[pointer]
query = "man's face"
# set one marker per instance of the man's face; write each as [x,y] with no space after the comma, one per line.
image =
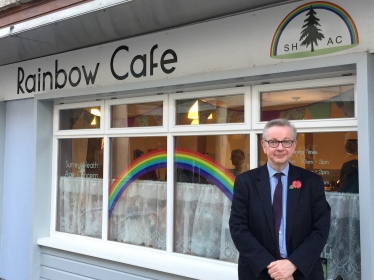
[278,157]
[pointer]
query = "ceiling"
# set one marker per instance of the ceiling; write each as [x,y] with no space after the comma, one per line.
[119,20]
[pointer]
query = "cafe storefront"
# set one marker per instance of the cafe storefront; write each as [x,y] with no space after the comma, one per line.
[135,142]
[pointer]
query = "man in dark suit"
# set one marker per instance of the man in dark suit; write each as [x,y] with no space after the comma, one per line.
[280,218]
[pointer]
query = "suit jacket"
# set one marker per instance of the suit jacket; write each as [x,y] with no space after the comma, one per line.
[252,230]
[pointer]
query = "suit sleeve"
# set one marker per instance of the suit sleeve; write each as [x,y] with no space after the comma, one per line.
[308,252]
[250,249]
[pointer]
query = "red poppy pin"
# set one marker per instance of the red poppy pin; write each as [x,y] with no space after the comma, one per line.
[295,185]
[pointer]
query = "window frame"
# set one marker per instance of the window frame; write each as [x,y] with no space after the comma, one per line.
[66,132]
[168,261]
[246,91]
[136,130]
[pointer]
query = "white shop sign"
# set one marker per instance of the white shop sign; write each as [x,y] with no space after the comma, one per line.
[294,31]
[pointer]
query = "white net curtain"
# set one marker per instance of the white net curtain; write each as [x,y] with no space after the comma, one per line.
[139,217]
[80,206]
[343,250]
[201,220]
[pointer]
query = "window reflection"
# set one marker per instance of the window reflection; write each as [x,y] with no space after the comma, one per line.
[310,103]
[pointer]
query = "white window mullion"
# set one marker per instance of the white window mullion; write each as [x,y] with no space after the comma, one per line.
[248,108]
[106,185]
[54,186]
[170,194]
[253,157]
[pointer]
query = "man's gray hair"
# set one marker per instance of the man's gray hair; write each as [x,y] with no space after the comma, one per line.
[279,122]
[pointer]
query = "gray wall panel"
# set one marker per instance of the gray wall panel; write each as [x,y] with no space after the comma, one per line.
[41,192]
[54,274]
[99,268]
[88,270]
[18,184]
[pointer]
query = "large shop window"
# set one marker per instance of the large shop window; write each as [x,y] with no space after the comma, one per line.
[158,172]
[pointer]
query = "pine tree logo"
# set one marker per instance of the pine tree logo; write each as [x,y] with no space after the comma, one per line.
[311,33]
[299,34]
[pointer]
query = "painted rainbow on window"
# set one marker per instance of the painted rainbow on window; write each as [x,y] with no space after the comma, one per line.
[186,159]
[316,5]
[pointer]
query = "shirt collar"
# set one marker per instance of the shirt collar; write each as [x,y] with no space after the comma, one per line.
[273,171]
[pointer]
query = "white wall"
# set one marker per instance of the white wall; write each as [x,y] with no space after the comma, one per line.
[2,152]
[18,182]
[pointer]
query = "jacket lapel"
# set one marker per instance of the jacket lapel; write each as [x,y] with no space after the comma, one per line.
[263,189]
[292,199]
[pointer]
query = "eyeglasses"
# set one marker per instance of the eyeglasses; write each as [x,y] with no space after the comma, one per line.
[275,143]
